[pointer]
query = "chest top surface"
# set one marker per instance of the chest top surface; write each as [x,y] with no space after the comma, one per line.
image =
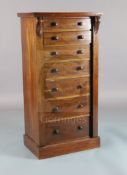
[59,14]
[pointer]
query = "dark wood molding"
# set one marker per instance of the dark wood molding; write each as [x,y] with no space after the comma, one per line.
[59,14]
[97,20]
[39,27]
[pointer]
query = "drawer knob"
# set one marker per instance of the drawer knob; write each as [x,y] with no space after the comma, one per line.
[79,68]
[55,109]
[79,52]
[54,24]
[80,127]
[79,87]
[54,70]
[56,132]
[54,89]
[54,38]
[80,37]
[54,53]
[80,106]
[79,23]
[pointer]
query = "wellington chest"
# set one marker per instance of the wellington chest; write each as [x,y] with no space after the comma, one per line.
[60,82]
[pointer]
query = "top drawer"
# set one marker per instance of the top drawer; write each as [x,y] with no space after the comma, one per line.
[71,24]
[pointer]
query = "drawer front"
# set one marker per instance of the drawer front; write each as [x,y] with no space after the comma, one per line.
[73,24]
[66,130]
[75,68]
[69,38]
[66,108]
[67,87]
[56,53]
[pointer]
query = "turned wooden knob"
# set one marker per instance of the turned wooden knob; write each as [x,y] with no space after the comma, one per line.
[54,53]
[54,89]
[55,109]
[79,52]
[80,23]
[79,68]
[54,38]
[80,106]
[80,37]
[79,87]
[56,132]
[80,127]
[54,70]
[54,24]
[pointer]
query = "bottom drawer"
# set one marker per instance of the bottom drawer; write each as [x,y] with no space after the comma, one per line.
[66,130]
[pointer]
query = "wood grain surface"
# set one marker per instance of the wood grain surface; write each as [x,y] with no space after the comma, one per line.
[60,81]
[67,87]
[67,38]
[59,24]
[66,107]
[60,53]
[75,68]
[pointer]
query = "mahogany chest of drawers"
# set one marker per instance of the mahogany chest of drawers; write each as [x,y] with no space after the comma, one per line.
[60,80]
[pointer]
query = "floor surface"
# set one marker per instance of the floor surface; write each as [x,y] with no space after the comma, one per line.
[109,159]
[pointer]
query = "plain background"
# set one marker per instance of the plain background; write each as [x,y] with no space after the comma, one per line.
[112,157]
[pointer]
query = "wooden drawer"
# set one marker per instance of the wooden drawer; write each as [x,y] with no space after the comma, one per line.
[66,130]
[67,38]
[75,68]
[59,53]
[67,87]
[66,107]
[62,24]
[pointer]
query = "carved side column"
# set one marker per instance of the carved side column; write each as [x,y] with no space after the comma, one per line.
[39,27]
[97,23]
[94,78]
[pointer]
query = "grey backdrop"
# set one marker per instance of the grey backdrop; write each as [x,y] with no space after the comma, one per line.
[113,47]
[111,158]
